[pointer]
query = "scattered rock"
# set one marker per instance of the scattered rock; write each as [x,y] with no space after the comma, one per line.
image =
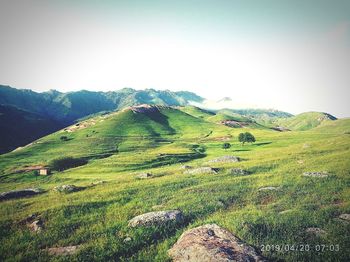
[286,211]
[157,206]
[345,217]
[20,193]
[281,129]
[300,162]
[63,251]
[144,108]
[36,226]
[211,243]
[238,172]
[315,231]
[225,159]
[202,170]
[127,239]
[268,188]
[144,175]
[28,219]
[186,167]
[98,182]
[67,188]
[156,218]
[316,174]
[220,203]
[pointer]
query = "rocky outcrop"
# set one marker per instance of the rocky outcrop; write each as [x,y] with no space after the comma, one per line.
[202,170]
[345,217]
[63,251]
[36,226]
[20,193]
[225,159]
[316,174]
[144,175]
[315,231]
[211,243]
[156,218]
[68,188]
[238,172]
[269,188]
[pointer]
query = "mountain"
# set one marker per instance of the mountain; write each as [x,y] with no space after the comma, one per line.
[141,126]
[38,114]
[67,107]
[19,127]
[305,121]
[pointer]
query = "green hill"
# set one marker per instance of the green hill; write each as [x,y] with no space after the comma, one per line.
[265,198]
[305,121]
[197,112]
[339,126]
[63,109]
[135,127]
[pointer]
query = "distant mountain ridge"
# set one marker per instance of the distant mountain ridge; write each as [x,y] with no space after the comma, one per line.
[67,107]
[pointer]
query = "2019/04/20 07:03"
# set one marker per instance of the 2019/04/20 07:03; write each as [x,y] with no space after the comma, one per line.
[300,247]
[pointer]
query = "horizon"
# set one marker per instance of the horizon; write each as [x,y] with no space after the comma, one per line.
[289,56]
[208,104]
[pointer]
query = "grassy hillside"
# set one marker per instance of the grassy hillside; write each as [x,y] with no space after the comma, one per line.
[305,121]
[137,141]
[197,112]
[18,127]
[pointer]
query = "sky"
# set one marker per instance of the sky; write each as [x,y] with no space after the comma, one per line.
[287,55]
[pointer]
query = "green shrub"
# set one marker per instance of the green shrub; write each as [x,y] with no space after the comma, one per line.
[226,145]
[60,164]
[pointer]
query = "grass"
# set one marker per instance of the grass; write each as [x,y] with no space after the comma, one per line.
[97,217]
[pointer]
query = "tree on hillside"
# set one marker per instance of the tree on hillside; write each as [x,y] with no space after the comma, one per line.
[246,138]
[226,146]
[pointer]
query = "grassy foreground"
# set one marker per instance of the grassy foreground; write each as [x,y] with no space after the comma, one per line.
[119,148]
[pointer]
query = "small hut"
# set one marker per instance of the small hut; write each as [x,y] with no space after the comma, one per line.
[44,171]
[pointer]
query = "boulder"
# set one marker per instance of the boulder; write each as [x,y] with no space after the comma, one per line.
[36,226]
[127,239]
[202,170]
[225,159]
[315,231]
[67,188]
[63,251]
[98,182]
[144,175]
[345,217]
[20,193]
[211,243]
[316,174]
[238,172]
[156,218]
[186,167]
[269,188]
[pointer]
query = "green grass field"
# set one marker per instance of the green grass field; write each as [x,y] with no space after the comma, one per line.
[121,145]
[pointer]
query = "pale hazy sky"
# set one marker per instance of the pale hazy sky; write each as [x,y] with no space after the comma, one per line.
[289,55]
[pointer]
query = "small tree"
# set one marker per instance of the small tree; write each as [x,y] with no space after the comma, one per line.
[246,138]
[64,138]
[226,146]
[241,138]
